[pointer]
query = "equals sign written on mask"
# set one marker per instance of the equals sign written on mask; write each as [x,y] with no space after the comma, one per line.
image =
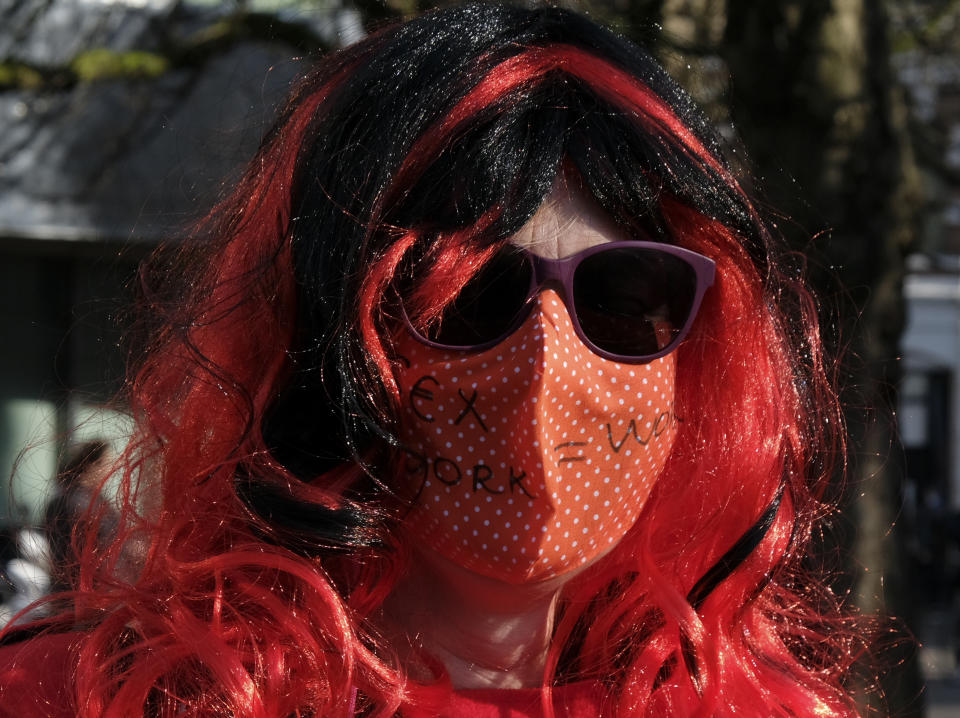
[566,447]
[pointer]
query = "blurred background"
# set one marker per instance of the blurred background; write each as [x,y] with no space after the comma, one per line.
[121,120]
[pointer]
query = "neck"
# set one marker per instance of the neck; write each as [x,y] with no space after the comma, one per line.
[486,633]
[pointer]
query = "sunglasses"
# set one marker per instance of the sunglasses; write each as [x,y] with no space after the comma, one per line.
[630,302]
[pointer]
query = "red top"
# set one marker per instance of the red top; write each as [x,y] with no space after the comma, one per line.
[579,700]
[34,683]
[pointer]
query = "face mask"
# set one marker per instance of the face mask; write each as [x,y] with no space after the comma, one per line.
[533,458]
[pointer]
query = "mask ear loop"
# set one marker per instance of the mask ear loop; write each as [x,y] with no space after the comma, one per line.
[716,575]
[736,555]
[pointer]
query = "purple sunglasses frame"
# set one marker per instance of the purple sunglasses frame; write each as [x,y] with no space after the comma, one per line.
[559,274]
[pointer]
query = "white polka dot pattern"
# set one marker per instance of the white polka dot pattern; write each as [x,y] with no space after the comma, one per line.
[535,457]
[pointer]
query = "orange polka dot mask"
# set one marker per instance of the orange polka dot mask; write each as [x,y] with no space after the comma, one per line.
[532,458]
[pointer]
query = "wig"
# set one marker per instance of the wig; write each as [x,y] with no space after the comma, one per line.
[257,513]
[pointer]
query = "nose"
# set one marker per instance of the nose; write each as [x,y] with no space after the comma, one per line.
[553,331]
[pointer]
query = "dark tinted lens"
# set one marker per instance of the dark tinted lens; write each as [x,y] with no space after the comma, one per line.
[633,301]
[488,305]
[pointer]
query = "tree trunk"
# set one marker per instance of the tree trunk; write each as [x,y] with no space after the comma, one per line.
[813,94]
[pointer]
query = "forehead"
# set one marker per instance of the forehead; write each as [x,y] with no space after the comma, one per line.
[568,221]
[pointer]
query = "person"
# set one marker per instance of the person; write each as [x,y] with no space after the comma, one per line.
[65,511]
[484,393]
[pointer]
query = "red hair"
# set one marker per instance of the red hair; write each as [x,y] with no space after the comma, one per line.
[199,606]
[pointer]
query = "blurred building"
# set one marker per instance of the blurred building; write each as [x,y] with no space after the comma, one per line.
[930,394]
[929,416]
[119,121]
